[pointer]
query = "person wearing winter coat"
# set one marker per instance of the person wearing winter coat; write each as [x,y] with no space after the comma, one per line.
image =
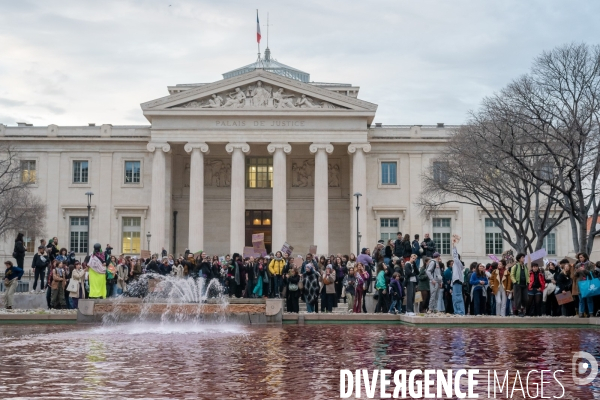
[329,283]
[19,251]
[520,279]
[291,280]
[406,247]
[12,276]
[276,271]
[479,282]
[122,275]
[436,281]
[417,249]
[59,277]
[428,246]
[78,275]
[564,282]
[537,283]
[261,289]
[39,264]
[501,286]
[584,270]
[424,285]
[311,287]
[411,273]
[350,288]
[396,294]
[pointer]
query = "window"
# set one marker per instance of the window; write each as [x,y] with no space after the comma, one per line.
[550,243]
[441,234]
[29,244]
[259,172]
[131,235]
[388,228]
[132,171]
[78,233]
[80,172]
[493,236]
[388,173]
[440,172]
[28,174]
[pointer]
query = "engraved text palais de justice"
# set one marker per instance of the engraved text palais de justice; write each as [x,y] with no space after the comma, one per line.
[257,124]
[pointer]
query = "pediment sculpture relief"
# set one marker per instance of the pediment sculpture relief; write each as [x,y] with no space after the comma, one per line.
[217,172]
[259,95]
[303,173]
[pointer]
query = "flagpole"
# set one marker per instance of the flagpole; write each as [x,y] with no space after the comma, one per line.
[258,41]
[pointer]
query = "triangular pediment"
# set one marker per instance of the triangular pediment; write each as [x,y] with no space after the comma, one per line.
[258,91]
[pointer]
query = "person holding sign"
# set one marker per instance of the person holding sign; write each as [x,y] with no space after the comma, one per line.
[564,284]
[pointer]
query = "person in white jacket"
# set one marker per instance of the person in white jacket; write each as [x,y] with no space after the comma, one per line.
[434,274]
[457,279]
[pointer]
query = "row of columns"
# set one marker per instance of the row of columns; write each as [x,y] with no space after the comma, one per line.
[238,152]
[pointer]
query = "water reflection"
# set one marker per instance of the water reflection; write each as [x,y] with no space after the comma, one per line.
[229,361]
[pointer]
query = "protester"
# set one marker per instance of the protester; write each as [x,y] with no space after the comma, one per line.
[536,287]
[520,279]
[59,277]
[350,288]
[411,272]
[501,285]
[12,276]
[396,294]
[19,251]
[479,281]
[39,264]
[77,276]
[434,275]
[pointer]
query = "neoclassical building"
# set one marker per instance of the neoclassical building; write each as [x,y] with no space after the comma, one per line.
[263,150]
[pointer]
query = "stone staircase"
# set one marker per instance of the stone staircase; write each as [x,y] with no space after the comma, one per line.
[342,308]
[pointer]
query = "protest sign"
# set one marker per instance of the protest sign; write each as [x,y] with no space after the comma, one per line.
[493,257]
[536,256]
[145,254]
[286,248]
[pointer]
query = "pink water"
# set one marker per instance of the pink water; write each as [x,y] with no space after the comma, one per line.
[226,362]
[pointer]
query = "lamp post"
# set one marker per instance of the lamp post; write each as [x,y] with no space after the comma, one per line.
[148,236]
[89,207]
[357,195]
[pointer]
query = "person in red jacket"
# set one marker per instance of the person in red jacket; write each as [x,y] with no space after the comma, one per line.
[537,283]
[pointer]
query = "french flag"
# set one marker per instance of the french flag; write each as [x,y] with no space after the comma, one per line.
[257,28]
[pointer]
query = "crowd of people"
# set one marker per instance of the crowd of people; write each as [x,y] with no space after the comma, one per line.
[403,276]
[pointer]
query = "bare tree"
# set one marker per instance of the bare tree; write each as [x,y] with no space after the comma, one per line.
[543,129]
[20,209]
[469,173]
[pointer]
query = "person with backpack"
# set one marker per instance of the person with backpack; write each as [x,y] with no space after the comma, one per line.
[39,263]
[417,249]
[436,281]
[469,309]
[519,275]
[12,276]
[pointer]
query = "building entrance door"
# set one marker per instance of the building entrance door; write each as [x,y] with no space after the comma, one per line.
[259,221]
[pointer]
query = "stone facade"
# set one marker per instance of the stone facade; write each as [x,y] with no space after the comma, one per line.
[193,159]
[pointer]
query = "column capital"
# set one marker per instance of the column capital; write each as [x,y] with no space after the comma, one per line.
[286,147]
[328,147]
[245,147]
[365,147]
[152,146]
[190,146]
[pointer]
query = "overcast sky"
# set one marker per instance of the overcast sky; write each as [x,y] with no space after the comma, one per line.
[422,62]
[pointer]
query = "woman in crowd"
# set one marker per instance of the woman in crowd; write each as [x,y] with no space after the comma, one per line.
[479,281]
[396,294]
[275,271]
[19,251]
[338,268]
[381,287]
[350,288]
[565,284]
[329,286]
[351,263]
[97,273]
[59,276]
[261,289]
[423,285]
[406,247]
[388,252]
[12,275]
[292,280]
[78,276]
[361,277]
[501,286]
[584,270]
[62,255]
[311,287]
[549,304]
[537,283]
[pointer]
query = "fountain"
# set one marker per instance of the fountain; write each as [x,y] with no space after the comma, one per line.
[171,300]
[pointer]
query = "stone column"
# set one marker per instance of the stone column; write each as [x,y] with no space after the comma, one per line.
[237,227]
[158,203]
[359,185]
[321,216]
[196,217]
[279,222]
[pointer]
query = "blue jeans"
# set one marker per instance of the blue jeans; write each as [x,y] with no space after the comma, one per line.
[309,307]
[397,305]
[479,301]
[277,285]
[457,299]
[590,305]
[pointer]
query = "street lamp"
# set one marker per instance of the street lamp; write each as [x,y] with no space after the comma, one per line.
[89,207]
[358,235]
[148,236]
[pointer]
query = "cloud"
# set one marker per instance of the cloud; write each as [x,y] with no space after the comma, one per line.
[69,62]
